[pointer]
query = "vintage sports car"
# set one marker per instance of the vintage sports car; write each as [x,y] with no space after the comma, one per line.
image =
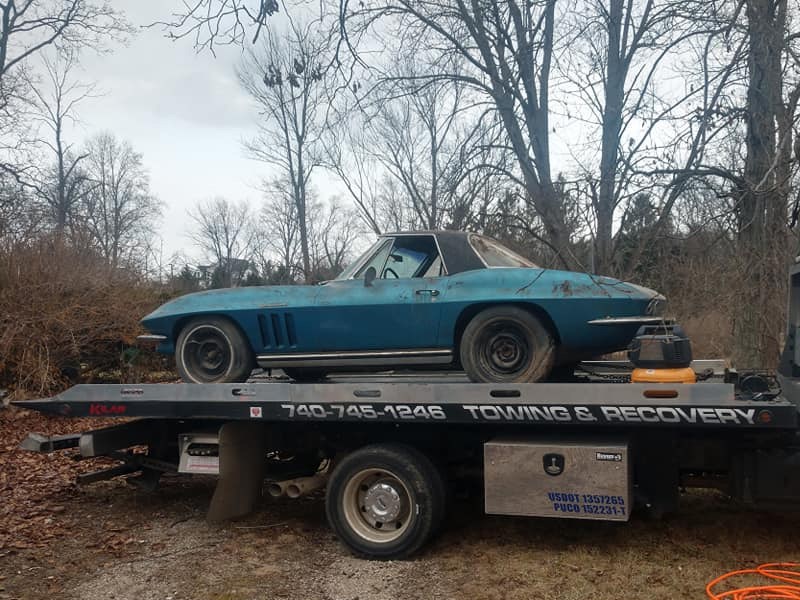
[439,299]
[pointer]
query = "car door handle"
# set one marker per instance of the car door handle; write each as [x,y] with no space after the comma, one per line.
[427,292]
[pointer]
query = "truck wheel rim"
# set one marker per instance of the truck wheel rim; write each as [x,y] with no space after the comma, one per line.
[377,505]
[207,353]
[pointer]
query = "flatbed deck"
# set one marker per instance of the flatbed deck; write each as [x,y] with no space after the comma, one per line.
[443,399]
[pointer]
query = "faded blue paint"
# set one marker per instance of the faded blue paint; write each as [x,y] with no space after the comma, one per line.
[404,314]
[569,299]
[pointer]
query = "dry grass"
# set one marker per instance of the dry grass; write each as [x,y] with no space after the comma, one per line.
[700,296]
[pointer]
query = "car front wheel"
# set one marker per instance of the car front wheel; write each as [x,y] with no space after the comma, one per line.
[506,344]
[212,350]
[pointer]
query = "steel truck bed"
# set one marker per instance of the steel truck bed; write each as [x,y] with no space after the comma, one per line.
[442,402]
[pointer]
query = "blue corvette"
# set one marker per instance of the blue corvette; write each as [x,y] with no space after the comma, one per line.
[442,299]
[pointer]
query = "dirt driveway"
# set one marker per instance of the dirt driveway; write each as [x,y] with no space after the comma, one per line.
[111,541]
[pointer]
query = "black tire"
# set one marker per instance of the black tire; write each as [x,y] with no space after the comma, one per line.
[303,374]
[213,350]
[403,483]
[506,344]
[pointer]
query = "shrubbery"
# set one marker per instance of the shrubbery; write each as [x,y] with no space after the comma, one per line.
[66,316]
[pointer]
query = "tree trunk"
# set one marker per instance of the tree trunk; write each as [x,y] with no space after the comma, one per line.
[61,185]
[302,222]
[616,72]
[763,199]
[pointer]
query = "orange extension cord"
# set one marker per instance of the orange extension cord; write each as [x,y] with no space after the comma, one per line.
[783,578]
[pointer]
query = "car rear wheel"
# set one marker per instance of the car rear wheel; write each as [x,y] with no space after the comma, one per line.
[213,350]
[506,344]
[305,374]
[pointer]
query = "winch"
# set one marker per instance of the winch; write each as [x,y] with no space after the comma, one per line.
[661,353]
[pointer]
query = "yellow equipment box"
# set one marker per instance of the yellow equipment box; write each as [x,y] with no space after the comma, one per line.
[685,375]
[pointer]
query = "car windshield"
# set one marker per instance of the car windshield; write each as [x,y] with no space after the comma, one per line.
[496,255]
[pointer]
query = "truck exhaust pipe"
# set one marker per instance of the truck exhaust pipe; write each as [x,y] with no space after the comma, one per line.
[276,489]
[295,488]
[305,485]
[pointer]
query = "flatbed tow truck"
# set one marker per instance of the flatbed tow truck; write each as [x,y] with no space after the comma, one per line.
[387,448]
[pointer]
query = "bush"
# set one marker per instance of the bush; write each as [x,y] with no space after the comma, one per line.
[65,316]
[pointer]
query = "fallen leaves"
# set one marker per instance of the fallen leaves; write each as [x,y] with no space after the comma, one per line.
[35,486]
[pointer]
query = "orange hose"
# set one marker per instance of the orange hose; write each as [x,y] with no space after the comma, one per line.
[782,582]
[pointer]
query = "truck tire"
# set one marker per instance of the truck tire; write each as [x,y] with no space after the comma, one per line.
[384,501]
[506,344]
[213,350]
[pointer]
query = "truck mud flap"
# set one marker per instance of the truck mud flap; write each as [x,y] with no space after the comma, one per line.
[242,461]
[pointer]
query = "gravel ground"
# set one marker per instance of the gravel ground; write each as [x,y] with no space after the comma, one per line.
[112,541]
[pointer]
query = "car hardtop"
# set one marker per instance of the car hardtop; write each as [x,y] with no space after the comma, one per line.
[457,249]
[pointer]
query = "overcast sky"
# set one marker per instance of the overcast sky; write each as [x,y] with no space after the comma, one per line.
[187,115]
[183,111]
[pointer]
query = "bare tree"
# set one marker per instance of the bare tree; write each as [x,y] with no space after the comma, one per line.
[414,155]
[276,238]
[742,150]
[29,26]
[119,208]
[63,185]
[350,158]
[620,51]
[222,231]
[286,78]
[334,231]
[212,23]
[508,47]
[417,137]
[27,29]
[763,195]
[485,175]
[18,219]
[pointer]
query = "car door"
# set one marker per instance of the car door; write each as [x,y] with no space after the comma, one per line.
[398,309]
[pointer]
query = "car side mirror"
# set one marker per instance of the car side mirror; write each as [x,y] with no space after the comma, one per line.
[369,276]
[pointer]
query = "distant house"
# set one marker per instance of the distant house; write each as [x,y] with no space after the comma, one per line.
[204,273]
[226,274]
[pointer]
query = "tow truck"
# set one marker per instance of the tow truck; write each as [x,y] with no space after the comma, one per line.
[387,449]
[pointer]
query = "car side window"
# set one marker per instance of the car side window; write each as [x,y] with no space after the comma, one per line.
[411,256]
[402,263]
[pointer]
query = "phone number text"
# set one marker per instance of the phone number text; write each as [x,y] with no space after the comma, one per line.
[364,411]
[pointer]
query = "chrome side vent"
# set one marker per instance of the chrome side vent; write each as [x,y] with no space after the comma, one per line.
[277,330]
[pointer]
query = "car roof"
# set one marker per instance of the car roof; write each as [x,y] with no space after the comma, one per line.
[457,253]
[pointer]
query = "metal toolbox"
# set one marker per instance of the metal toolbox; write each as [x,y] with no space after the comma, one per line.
[556,478]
